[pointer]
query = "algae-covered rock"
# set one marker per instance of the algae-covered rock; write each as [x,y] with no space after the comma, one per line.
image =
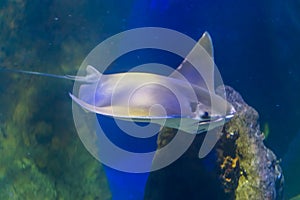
[41,156]
[261,176]
[24,181]
[239,167]
[296,197]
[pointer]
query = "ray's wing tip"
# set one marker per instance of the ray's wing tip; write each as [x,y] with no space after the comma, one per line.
[76,100]
[206,34]
[85,106]
[206,42]
[72,96]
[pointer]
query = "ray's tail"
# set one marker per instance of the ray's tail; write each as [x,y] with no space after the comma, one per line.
[20,71]
[35,73]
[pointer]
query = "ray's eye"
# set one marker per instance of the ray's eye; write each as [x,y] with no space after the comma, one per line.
[205,115]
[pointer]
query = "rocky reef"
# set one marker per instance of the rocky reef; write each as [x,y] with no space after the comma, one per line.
[239,167]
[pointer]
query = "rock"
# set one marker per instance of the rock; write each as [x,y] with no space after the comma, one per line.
[239,166]
[261,175]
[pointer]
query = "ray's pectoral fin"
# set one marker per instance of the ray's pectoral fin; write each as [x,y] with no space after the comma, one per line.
[206,42]
[87,107]
[198,67]
[91,107]
[209,141]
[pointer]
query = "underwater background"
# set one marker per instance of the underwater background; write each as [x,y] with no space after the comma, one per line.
[257,49]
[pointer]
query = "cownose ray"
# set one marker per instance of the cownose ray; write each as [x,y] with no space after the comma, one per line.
[182,100]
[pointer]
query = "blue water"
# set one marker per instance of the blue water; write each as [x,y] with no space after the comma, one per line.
[256,45]
[256,50]
[123,185]
[126,186]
